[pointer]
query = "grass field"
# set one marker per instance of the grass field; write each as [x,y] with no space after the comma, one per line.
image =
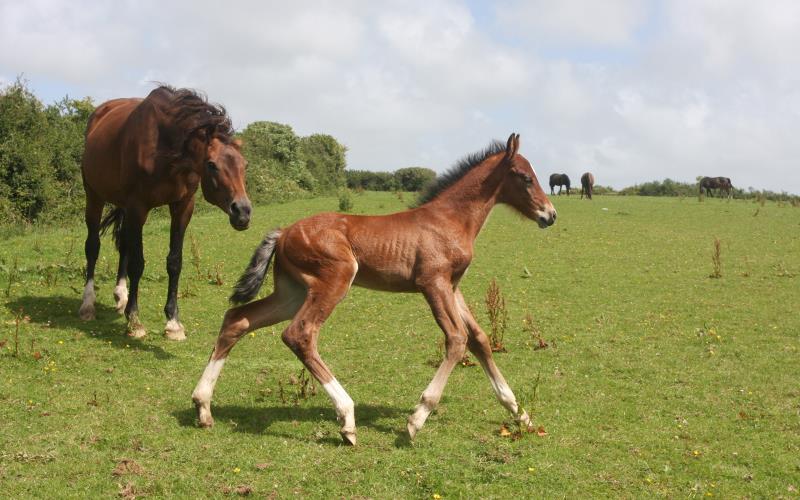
[657,380]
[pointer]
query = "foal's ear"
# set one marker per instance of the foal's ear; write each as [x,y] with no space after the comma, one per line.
[512,146]
[237,143]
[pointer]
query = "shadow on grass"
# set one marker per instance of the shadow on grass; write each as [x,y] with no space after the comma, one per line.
[62,312]
[258,420]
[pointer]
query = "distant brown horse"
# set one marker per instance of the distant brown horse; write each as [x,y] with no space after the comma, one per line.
[427,250]
[144,153]
[587,185]
[559,180]
[723,184]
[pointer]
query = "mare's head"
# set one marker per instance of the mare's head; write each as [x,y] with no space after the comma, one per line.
[222,180]
[200,137]
[521,189]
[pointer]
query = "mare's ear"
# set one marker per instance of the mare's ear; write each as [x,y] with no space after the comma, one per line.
[512,146]
[237,143]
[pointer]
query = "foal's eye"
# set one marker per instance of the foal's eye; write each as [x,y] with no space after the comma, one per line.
[212,167]
[528,179]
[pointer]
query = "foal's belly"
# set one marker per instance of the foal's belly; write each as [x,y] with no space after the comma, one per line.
[383,281]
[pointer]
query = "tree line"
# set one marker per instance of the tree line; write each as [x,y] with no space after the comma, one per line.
[41,148]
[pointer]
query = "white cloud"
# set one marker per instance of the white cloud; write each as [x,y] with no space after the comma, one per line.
[634,90]
[610,22]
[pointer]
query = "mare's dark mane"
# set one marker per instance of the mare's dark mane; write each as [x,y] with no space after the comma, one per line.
[458,171]
[187,112]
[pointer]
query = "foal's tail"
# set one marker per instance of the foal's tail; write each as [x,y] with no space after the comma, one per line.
[250,282]
[114,217]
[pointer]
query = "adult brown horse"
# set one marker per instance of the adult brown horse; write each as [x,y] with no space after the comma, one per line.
[587,184]
[723,184]
[559,180]
[427,250]
[144,153]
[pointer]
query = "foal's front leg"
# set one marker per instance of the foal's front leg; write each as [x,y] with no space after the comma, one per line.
[181,213]
[478,344]
[442,301]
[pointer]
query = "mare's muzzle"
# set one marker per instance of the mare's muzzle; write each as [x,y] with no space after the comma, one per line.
[240,214]
[546,218]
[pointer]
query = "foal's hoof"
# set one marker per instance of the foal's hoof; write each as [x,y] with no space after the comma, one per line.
[204,418]
[412,431]
[86,312]
[174,330]
[348,437]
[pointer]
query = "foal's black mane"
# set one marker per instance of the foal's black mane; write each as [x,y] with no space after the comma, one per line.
[458,171]
[188,111]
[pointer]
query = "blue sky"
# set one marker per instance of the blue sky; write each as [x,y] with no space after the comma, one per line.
[632,90]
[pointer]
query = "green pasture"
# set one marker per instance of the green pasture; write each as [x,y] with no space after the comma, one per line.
[657,380]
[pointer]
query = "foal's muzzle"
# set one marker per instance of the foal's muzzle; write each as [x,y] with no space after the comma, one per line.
[239,214]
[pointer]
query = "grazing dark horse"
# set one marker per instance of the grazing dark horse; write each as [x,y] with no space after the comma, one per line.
[587,185]
[723,184]
[144,153]
[559,180]
[426,250]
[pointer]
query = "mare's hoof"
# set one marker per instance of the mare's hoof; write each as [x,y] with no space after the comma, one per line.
[135,327]
[121,297]
[137,333]
[86,313]
[174,330]
[349,438]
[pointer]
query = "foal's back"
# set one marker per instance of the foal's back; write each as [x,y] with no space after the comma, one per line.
[386,252]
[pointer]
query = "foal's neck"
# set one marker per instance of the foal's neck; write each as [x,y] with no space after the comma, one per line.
[470,200]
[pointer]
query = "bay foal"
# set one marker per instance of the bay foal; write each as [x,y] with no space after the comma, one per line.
[426,250]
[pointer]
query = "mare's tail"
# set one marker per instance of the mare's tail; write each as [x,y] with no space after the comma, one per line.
[113,218]
[250,282]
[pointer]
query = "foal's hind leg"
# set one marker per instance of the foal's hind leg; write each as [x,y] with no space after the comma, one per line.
[443,304]
[94,211]
[301,337]
[280,306]
[478,344]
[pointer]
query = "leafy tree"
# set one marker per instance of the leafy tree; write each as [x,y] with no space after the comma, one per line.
[276,171]
[371,181]
[324,158]
[413,178]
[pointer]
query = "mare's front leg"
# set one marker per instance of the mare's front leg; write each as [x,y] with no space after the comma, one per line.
[94,211]
[132,229]
[442,301]
[181,213]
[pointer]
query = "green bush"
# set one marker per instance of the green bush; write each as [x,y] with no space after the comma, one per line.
[345,200]
[40,154]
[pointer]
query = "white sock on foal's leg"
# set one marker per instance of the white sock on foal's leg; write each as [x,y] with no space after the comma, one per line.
[205,389]
[345,410]
[506,397]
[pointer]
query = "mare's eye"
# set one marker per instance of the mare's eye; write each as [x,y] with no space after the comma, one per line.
[528,179]
[212,167]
